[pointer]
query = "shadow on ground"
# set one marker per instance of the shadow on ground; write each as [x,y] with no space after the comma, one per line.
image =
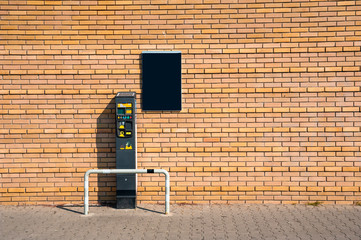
[69,209]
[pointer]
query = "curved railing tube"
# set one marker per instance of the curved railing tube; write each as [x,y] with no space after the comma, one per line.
[128,171]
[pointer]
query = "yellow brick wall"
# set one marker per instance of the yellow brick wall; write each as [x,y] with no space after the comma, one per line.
[271,99]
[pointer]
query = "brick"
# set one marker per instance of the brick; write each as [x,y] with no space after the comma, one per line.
[229,188]
[333,69]
[333,129]
[68,189]
[350,189]
[315,189]
[332,189]
[199,149]
[177,189]
[350,129]
[212,189]
[297,189]
[281,110]
[16,170]
[196,110]
[350,169]
[263,149]
[230,51]
[30,190]
[280,188]
[194,169]
[153,150]
[332,149]
[332,109]
[228,169]
[246,189]
[247,50]
[178,169]
[263,169]
[70,91]
[333,169]
[280,149]
[195,189]
[173,149]
[229,149]
[211,169]
[16,190]
[263,188]
[351,89]
[279,169]
[51,150]
[281,129]
[350,69]
[245,169]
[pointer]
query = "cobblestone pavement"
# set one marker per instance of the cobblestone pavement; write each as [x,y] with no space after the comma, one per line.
[184,222]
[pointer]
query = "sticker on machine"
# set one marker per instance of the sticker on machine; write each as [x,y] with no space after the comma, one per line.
[128,146]
[124,105]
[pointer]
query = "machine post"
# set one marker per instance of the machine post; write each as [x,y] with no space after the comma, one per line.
[126,149]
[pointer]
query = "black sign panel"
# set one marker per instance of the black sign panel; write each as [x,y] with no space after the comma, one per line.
[162,81]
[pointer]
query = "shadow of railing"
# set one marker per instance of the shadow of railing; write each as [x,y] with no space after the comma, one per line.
[149,210]
[69,209]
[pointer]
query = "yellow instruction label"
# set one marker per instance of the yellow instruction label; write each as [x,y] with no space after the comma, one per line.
[125,105]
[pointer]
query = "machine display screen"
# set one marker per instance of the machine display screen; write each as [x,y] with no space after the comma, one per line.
[162,80]
[121,110]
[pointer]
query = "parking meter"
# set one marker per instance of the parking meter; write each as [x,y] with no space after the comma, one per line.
[126,149]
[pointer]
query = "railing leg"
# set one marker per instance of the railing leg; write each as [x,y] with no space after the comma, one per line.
[166,192]
[86,193]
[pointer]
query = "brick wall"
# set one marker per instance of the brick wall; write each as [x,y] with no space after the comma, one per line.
[271,99]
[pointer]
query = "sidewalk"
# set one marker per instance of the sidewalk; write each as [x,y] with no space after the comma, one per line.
[184,222]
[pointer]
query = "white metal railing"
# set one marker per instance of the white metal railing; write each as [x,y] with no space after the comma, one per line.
[115,171]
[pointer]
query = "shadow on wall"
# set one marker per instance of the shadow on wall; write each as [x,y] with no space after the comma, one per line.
[105,148]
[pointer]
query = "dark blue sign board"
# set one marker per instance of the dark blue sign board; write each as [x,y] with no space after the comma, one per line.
[162,81]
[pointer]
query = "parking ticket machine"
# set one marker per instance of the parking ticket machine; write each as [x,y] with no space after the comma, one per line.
[126,153]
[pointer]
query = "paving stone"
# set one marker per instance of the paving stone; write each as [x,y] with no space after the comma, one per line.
[270,222]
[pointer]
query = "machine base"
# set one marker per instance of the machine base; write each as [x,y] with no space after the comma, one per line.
[126,203]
